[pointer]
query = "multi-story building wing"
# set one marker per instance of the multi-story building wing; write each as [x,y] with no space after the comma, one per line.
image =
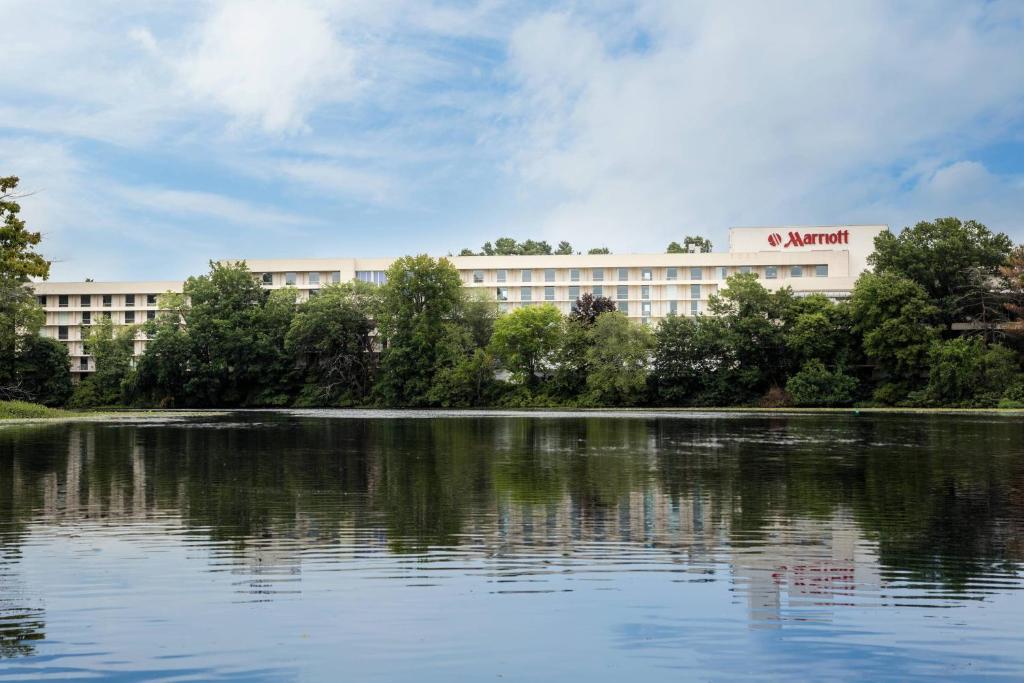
[646,287]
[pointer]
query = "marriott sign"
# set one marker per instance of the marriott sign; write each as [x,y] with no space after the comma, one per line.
[796,238]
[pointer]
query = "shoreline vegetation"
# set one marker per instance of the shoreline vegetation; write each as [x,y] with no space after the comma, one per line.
[938,322]
[20,412]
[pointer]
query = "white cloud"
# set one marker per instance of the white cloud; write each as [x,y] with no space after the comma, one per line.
[270,62]
[691,117]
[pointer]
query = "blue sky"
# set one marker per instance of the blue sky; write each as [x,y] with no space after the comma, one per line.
[158,135]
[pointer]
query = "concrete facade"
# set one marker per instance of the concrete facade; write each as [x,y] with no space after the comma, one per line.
[647,287]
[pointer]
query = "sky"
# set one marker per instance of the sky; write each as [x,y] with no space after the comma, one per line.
[154,136]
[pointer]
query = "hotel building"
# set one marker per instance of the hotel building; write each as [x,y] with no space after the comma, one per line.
[646,287]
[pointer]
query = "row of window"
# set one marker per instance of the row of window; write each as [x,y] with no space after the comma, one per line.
[106,300]
[621,292]
[674,308]
[129,319]
[377,277]
[672,273]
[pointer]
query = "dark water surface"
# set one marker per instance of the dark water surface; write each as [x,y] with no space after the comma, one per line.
[437,547]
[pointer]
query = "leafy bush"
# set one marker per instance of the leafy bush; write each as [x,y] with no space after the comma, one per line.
[817,386]
[12,410]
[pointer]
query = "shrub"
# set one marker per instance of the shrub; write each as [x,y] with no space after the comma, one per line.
[817,386]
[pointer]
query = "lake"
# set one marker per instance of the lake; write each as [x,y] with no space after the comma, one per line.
[363,545]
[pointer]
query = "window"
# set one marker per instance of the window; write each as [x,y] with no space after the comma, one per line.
[723,273]
[821,271]
[478,276]
[696,273]
[42,301]
[673,307]
[374,277]
[291,278]
[106,315]
[597,275]
[694,291]
[526,276]
[549,275]
[645,308]
[336,276]
[645,291]
[87,317]
[598,290]
[313,278]
[129,300]
[694,307]
[574,274]
[83,363]
[796,271]
[268,278]
[85,301]
[108,300]
[672,291]
[63,318]
[623,274]
[129,317]
[62,332]
[501,294]
[62,300]
[771,272]
[313,292]
[150,315]
[746,269]
[502,275]
[574,292]
[622,292]
[151,299]
[549,293]
[525,294]
[672,273]
[645,274]
[623,307]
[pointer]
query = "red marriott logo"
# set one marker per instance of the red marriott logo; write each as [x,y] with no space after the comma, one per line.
[809,239]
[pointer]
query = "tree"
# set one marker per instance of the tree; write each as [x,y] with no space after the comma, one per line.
[236,331]
[43,371]
[599,250]
[965,371]
[330,339]
[564,248]
[618,361]
[820,330]
[892,314]
[525,340]
[817,386]
[161,372]
[464,376]
[588,307]
[941,256]
[112,349]
[467,252]
[691,359]
[20,314]
[1013,276]
[420,296]
[699,244]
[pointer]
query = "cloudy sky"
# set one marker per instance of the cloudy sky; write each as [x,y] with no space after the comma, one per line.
[156,135]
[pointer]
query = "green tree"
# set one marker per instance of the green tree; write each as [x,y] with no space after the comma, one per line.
[892,315]
[525,341]
[330,337]
[943,257]
[112,349]
[700,244]
[465,372]
[20,315]
[564,248]
[618,361]
[817,386]
[161,372]
[967,372]
[599,250]
[691,362]
[420,296]
[43,371]
[237,329]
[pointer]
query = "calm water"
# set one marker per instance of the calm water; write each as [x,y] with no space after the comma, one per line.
[353,546]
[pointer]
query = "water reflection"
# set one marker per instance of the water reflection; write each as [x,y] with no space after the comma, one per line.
[796,518]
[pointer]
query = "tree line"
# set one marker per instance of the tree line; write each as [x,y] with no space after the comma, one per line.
[937,322]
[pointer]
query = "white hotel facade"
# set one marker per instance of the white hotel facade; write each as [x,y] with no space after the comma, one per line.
[647,287]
